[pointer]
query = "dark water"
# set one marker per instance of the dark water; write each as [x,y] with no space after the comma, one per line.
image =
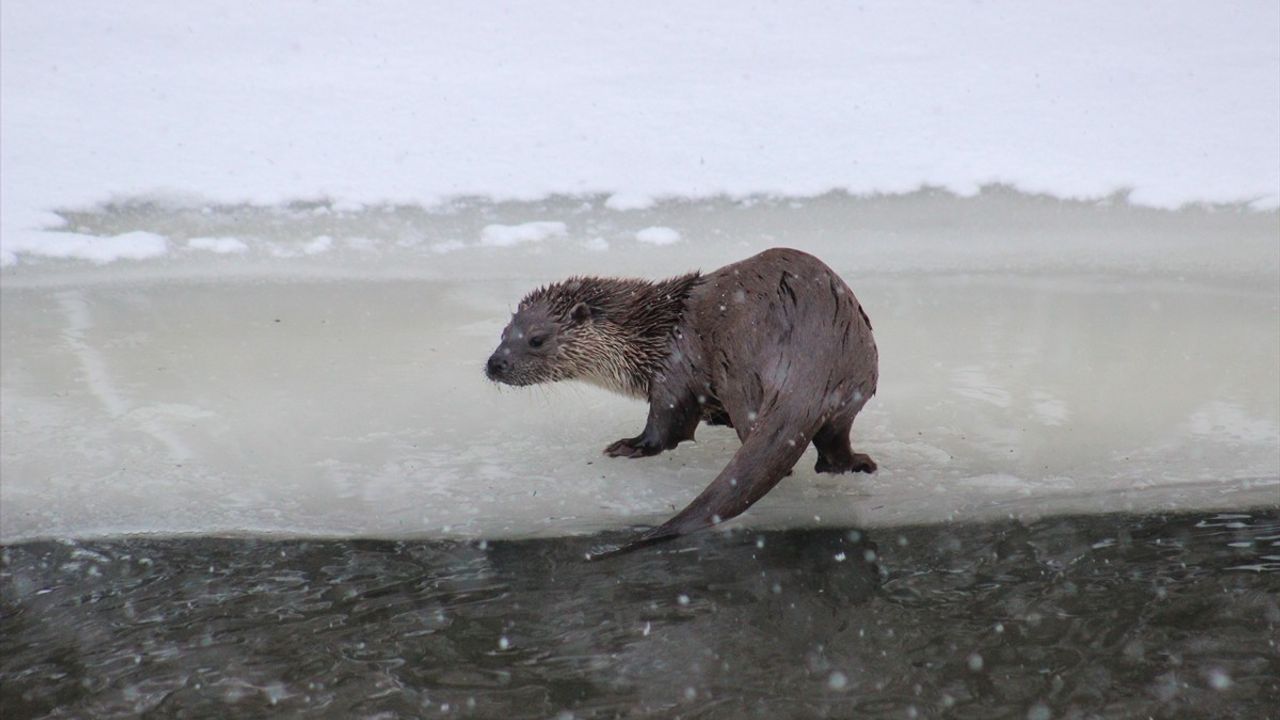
[1114,616]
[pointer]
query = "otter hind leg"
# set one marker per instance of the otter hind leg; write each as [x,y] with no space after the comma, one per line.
[835,454]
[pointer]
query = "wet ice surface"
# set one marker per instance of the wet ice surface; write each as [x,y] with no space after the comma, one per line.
[1100,616]
[312,369]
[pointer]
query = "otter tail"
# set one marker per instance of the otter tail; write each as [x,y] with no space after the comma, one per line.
[768,453]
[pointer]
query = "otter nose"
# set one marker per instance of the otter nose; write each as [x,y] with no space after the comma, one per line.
[496,365]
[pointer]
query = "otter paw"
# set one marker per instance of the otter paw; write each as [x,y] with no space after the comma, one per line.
[863,463]
[633,448]
[857,462]
[826,466]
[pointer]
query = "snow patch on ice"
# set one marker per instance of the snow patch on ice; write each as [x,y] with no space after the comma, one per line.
[319,245]
[629,201]
[219,245]
[530,232]
[136,245]
[658,235]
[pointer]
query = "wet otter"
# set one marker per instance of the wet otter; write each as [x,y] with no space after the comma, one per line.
[775,346]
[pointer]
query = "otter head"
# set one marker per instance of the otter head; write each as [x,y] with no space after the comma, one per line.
[538,344]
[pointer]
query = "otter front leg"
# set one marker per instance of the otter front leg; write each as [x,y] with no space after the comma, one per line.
[671,422]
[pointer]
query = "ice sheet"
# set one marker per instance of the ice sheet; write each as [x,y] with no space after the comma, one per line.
[1038,357]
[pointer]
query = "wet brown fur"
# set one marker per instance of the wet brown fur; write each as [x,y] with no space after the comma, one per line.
[776,346]
[627,339]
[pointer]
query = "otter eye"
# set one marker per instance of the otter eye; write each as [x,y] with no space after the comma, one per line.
[536,342]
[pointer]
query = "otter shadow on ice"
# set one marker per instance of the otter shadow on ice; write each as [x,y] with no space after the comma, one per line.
[775,346]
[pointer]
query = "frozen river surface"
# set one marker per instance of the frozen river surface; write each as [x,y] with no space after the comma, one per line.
[1038,357]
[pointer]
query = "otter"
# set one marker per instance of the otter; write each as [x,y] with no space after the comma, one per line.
[775,346]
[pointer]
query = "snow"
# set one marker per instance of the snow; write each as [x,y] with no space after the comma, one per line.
[318,245]
[222,245]
[837,680]
[658,236]
[229,102]
[137,245]
[629,201]
[530,232]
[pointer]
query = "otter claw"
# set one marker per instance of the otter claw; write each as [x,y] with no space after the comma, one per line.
[631,448]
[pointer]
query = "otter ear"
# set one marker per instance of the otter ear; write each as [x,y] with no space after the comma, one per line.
[581,313]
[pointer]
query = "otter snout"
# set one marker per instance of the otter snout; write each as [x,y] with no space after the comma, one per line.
[497,367]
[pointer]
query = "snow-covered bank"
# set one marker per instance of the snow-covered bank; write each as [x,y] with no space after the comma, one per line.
[228,102]
[1038,357]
